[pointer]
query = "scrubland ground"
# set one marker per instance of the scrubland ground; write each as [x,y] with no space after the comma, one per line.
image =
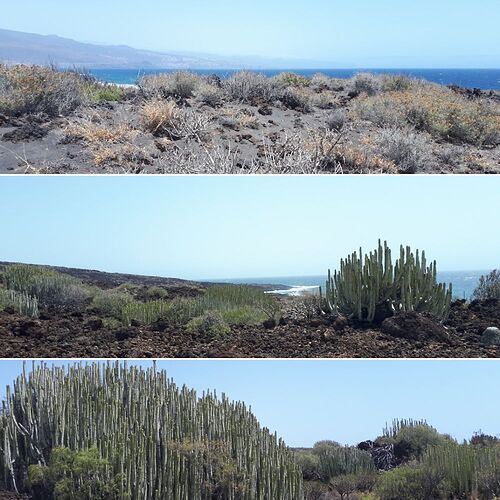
[85,314]
[53,122]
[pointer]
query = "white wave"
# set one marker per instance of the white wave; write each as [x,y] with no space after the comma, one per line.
[295,291]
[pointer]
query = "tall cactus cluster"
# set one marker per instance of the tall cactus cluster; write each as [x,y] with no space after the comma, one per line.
[339,460]
[465,466]
[366,285]
[160,441]
[21,302]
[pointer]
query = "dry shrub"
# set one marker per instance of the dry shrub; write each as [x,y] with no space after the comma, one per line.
[318,153]
[366,83]
[35,89]
[398,83]
[436,110]
[336,120]
[410,151]
[321,82]
[250,88]
[181,84]
[380,110]
[210,94]
[296,99]
[324,100]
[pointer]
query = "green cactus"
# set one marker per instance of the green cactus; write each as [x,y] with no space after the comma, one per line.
[370,283]
[160,440]
[21,302]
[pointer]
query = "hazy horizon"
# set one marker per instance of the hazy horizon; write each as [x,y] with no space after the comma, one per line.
[202,228]
[308,401]
[360,34]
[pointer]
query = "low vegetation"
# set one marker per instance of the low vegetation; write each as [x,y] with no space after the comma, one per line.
[433,109]
[181,122]
[31,90]
[489,286]
[47,287]
[411,460]
[26,288]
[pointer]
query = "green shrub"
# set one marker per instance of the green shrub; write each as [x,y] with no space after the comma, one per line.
[291,80]
[145,312]
[211,324]
[112,302]
[238,301]
[370,286]
[488,287]
[105,93]
[245,315]
[309,464]
[345,485]
[73,475]
[408,483]
[412,442]
[154,293]
[47,286]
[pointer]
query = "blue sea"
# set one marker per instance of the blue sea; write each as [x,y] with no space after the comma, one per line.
[486,79]
[464,283]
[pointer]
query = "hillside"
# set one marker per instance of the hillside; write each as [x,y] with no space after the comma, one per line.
[29,48]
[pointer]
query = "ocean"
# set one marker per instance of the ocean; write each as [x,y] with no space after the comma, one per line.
[464,283]
[486,79]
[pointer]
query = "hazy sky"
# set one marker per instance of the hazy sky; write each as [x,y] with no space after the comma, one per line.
[348,401]
[235,227]
[385,33]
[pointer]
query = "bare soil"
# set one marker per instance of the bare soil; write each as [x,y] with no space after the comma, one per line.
[246,133]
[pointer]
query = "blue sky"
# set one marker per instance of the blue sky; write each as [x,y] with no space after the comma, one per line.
[235,227]
[348,401]
[357,33]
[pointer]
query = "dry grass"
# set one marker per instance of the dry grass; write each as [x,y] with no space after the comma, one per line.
[247,120]
[94,132]
[167,119]
[158,114]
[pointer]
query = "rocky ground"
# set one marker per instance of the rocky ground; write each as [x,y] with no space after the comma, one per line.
[81,333]
[322,127]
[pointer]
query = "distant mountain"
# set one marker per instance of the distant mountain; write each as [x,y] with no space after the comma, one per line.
[17,47]
[29,48]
